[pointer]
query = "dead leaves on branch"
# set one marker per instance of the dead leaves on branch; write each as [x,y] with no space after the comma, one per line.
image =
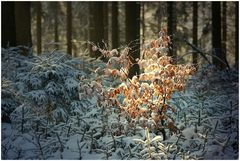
[146,95]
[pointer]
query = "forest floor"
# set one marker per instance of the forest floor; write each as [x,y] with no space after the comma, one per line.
[46,116]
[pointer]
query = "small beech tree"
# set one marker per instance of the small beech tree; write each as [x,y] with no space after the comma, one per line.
[146,96]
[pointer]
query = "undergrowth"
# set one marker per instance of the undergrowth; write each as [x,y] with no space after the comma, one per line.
[57,107]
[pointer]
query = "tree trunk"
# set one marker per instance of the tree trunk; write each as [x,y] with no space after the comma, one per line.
[236,34]
[105,21]
[8,24]
[143,22]
[115,29]
[216,35]
[132,10]
[56,37]
[23,23]
[69,28]
[158,14]
[96,31]
[224,29]
[195,31]
[39,27]
[171,24]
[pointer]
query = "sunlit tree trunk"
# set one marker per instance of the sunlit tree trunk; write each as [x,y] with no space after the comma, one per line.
[39,27]
[195,31]
[115,29]
[23,23]
[143,22]
[56,12]
[69,28]
[224,29]
[159,17]
[8,24]
[132,10]
[236,34]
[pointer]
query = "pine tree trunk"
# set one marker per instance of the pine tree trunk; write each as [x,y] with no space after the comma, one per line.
[23,23]
[105,21]
[56,37]
[224,29]
[115,29]
[236,34]
[195,31]
[216,35]
[132,10]
[69,28]
[8,24]
[171,28]
[143,22]
[159,23]
[39,27]
[96,31]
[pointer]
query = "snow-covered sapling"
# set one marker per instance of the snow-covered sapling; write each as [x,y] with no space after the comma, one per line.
[149,151]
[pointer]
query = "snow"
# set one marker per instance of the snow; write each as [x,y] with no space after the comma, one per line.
[58,124]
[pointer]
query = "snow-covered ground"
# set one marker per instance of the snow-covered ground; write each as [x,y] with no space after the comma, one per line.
[50,110]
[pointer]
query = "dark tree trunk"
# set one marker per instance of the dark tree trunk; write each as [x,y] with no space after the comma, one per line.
[105,21]
[56,37]
[132,11]
[236,34]
[224,29]
[216,35]
[115,29]
[96,31]
[143,22]
[69,28]
[195,31]
[171,24]
[8,24]
[23,23]
[39,27]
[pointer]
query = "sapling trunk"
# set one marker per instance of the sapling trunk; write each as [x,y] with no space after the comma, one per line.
[225,144]
[205,141]
[46,133]
[119,122]
[22,129]
[162,130]
[215,127]
[61,145]
[185,119]
[199,117]
[19,154]
[130,152]
[107,155]
[84,132]
[69,128]
[114,142]
[195,130]
[91,147]
[230,118]
[80,149]
[78,121]
[37,126]
[40,147]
